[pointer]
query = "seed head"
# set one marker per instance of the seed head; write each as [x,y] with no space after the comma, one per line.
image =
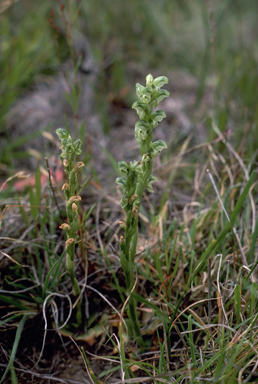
[65,226]
[77,166]
[132,198]
[66,187]
[69,242]
[66,163]
[74,199]
[122,225]
[74,208]
[135,211]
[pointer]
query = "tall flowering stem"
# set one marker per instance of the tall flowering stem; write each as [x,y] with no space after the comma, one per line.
[136,176]
[69,151]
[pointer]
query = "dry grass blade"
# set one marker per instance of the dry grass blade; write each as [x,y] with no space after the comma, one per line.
[85,363]
[56,320]
[234,229]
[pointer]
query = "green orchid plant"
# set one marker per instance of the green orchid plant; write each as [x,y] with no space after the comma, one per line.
[136,176]
[69,151]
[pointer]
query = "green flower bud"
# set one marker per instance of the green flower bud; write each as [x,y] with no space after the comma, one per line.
[124,202]
[63,154]
[121,181]
[160,81]
[141,108]
[69,150]
[149,80]
[159,96]
[62,134]
[123,167]
[141,130]
[139,90]
[145,157]
[158,116]
[67,141]
[77,146]
[150,181]
[157,147]
[146,95]
[133,166]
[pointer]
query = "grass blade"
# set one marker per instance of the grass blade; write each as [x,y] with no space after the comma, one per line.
[15,346]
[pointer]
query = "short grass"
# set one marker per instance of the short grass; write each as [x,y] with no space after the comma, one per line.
[196,270]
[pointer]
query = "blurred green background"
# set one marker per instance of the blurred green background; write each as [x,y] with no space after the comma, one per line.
[213,42]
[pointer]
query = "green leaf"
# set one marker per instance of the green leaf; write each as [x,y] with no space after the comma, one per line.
[38,187]
[47,280]
[238,303]
[33,204]
[25,216]
[126,268]
[123,167]
[15,346]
